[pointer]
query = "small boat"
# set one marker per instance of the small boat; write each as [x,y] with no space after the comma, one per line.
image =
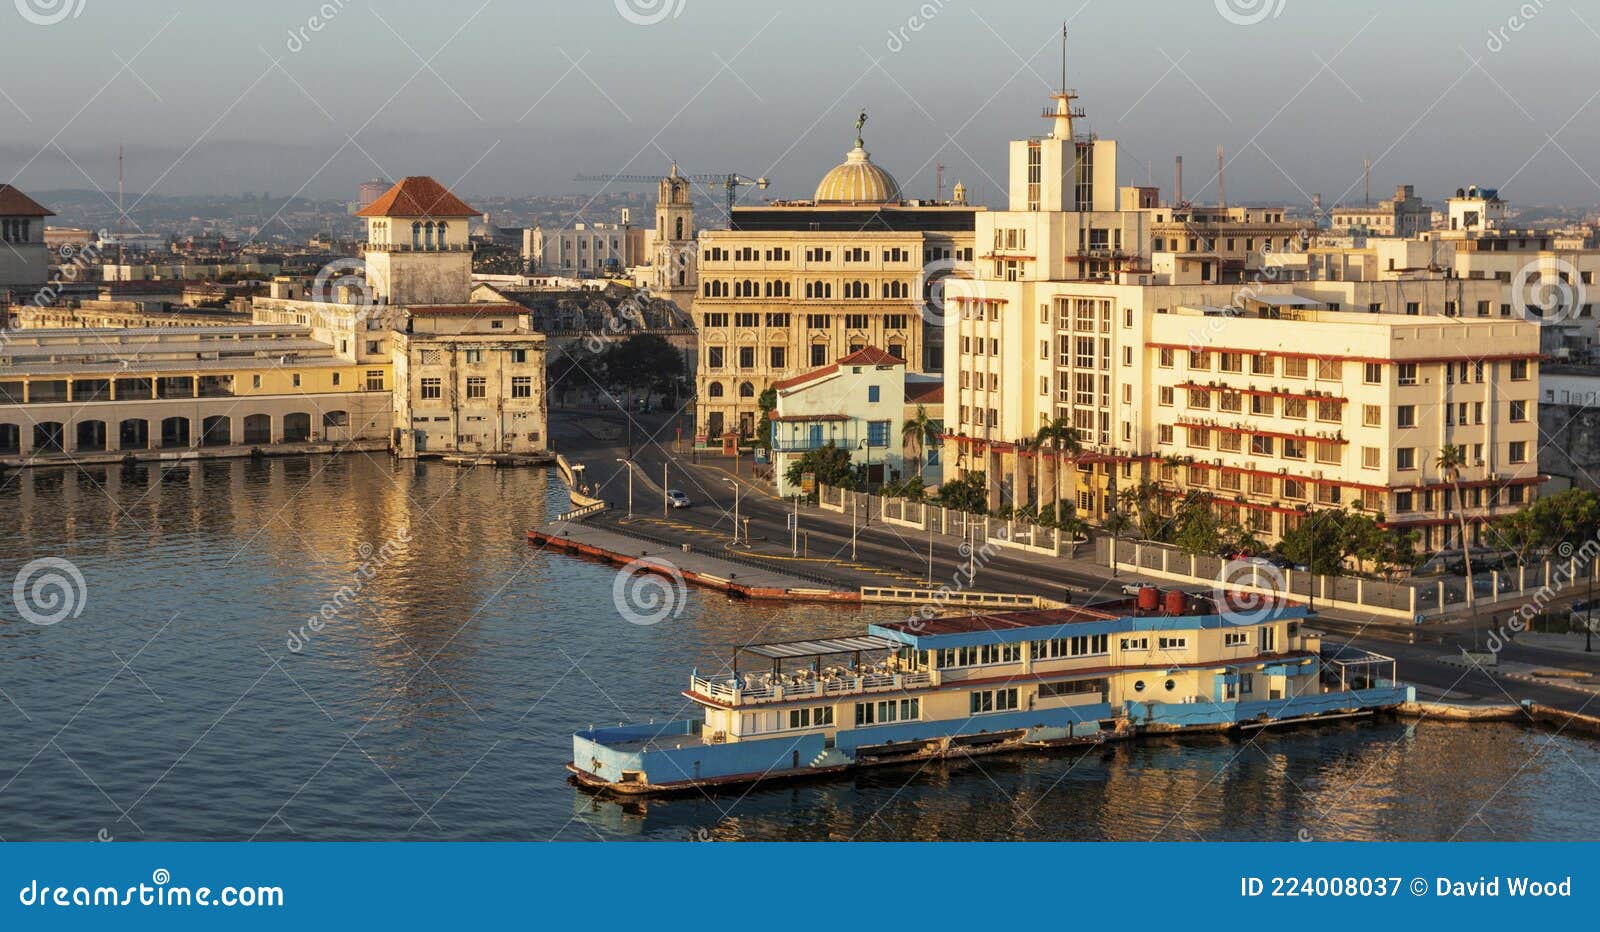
[928,687]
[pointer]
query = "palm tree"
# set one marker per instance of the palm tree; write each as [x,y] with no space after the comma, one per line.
[1452,457]
[1058,435]
[918,433]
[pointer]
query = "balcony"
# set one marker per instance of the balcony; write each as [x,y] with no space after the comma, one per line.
[763,688]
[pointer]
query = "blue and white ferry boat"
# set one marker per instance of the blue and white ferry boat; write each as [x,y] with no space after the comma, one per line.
[907,691]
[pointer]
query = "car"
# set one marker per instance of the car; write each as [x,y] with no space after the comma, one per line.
[677,499]
[1583,611]
[1133,588]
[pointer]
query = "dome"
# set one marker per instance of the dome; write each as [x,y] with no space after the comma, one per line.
[857,181]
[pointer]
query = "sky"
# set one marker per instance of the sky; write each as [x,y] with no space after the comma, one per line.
[511,97]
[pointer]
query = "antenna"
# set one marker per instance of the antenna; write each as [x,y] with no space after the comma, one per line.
[121,214]
[1222,191]
[1063,57]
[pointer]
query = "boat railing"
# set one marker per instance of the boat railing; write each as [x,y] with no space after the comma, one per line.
[765,688]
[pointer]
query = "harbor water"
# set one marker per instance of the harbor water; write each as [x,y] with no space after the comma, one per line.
[351,649]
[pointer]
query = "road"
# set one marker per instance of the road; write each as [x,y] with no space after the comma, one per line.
[872,553]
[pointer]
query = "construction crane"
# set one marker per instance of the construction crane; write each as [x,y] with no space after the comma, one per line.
[730,182]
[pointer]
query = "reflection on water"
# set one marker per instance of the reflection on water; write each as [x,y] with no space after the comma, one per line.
[438,698]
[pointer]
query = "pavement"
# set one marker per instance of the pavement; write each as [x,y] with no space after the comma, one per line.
[873,553]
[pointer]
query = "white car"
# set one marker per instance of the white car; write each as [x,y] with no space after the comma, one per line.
[677,499]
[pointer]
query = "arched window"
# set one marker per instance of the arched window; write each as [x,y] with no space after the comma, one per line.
[746,390]
[416,235]
[427,234]
[679,229]
[714,390]
[442,228]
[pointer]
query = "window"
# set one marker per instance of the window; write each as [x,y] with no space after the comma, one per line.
[1372,416]
[1370,457]
[979,655]
[1372,373]
[295,380]
[1165,358]
[1135,643]
[1235,638]
[1165,395]
[1172,643]
[1405,416]
[519,356]
[1518,452]
[521,386]
[811,717]
[1519,411]
[474,356]
[877,433]
[1071,688]
[714,357]
[747,357]
[1406,373]
[889,710]
[993,700]
[477,387]
[255,381]
[432,389]
[777,357]
[819,354]
[1519,370]
[1405,458]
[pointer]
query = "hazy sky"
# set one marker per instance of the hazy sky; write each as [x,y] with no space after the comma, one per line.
[503,97]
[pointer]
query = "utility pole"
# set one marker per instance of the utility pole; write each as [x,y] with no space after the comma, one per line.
[664,490]
[735,511]
[926,519]
[794,532]
[853,525]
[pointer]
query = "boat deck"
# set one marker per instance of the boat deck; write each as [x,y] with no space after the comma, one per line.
[666,742]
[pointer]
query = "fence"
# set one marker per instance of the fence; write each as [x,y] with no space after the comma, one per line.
[1164,561]
[1013,533]
[955,599]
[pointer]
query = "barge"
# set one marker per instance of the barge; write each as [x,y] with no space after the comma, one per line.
[989,683]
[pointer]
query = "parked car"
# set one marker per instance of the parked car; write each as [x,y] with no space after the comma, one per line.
[1585,610]
[1133,588]
[677,499]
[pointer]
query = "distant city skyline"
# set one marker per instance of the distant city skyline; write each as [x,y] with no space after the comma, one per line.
[497,98]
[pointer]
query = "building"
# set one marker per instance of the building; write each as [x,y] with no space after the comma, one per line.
[585,250]
[1405,215]
[856,403]
[1304,392]
[793,285]
[417,249]
[370,191]
[469,379]
[24,257]
[674,271]
[85,391]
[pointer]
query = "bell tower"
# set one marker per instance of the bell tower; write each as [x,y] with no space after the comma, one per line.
[417,249]
[674,261]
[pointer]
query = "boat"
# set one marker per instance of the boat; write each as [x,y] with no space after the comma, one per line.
[951,687]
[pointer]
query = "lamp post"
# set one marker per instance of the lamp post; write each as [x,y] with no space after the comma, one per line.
[735,510]
[629,467]
[664,502]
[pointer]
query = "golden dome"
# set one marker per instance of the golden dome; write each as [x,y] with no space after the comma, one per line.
[857,181]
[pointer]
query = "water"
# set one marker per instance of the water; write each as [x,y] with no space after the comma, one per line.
[438,701]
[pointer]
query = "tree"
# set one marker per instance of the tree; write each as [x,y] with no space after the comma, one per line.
[1058,435]
[831,465]
[919,433]
[767,401]
[1143,503]
[642,361]
[1320,540]
[1452,457]
[969,493]
[1198,530]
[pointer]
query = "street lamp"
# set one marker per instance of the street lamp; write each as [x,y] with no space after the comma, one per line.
[735,511]
[629,466]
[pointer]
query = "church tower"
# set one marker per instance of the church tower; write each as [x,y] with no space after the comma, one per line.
[417,248]
[674,260]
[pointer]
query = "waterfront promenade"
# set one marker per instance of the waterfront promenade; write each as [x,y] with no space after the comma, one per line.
[850,553]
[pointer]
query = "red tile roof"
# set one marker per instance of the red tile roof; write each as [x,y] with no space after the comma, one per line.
[14,203]
[924,392]
[805,377]
[464,310]
[417,196]
[871,356]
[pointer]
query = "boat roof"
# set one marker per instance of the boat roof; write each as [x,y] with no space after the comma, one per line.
[783,650]
[1225,608]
